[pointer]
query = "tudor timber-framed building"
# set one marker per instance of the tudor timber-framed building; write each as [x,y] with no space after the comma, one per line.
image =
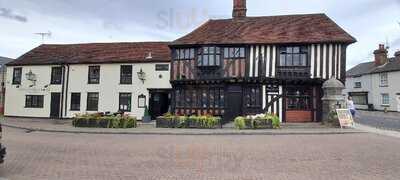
[249,65]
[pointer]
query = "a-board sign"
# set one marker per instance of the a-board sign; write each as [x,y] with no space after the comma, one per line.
[345,118]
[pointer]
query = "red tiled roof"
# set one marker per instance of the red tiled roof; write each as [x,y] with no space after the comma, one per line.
[94,53]
[307,28]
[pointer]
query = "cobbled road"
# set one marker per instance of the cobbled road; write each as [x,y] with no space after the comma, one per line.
[58,156]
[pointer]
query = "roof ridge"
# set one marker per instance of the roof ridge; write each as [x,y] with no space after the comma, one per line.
[92,43]
[283,15]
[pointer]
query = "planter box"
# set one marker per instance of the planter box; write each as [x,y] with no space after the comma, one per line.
[258,124]
[104,122]
[190,122]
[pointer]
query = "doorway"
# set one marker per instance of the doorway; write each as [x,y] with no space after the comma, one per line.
[234,103]
[55,105]
[160,101]
[298,103]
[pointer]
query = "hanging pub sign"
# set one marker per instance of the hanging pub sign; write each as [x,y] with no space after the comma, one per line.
[345,118]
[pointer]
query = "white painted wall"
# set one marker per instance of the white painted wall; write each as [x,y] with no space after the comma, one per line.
[371,84]
[15,94]
[109,88]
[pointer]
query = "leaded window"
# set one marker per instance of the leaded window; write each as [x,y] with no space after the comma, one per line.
[184,54]
[293,56]
[200,98]
[298,99]
[234,52]
[252,97]
[209,56]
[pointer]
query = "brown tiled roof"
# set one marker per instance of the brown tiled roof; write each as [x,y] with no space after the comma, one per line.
[135,52]
[308,28]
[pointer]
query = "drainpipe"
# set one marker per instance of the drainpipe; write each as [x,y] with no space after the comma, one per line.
[62,93]
[66,92]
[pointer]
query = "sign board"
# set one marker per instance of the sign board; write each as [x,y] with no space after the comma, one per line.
[141,101]
[345,118]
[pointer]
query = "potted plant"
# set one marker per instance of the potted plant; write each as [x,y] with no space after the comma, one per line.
[146,118]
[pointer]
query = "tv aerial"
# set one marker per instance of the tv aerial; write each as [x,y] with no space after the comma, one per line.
[43,35]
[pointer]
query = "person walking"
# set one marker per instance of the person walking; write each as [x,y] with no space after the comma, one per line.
[350,105]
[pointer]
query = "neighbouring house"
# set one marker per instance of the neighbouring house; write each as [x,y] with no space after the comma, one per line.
[3,70]
[375,85]
[249,65]
[59,81]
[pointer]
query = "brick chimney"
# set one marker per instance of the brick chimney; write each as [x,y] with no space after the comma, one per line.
[381,55]
[239,9]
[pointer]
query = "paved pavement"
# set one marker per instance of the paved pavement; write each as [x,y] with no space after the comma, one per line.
[49,156]
[390,121]
[48,125]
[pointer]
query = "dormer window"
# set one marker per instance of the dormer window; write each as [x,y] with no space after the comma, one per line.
[209,57]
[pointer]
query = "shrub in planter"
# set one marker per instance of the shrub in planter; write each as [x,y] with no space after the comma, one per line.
[169,121]
[98,121]
[260,121]
[240,122]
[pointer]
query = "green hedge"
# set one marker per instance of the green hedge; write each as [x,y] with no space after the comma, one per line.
[202,122]
[264,121]
[98,121]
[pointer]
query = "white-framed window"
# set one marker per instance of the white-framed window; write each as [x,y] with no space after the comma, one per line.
[384,79]
[385,99]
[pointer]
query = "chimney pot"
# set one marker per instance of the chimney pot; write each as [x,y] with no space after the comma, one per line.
[239,9]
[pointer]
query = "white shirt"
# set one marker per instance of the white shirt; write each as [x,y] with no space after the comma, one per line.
[350,104]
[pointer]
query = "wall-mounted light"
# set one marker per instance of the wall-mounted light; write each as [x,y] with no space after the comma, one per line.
[141,75]
[30,76]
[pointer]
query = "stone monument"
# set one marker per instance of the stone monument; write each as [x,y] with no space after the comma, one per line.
[333,99]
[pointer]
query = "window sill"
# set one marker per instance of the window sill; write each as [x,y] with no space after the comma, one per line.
[33,107]
[74,110]
[383,85]
[385,105]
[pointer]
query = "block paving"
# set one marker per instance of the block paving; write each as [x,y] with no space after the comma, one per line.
[49,156]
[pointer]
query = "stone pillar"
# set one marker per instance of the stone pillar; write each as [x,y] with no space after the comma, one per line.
[332,100]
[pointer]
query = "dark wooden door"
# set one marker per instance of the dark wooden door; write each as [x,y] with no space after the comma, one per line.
[233,103]
[159,104]
[55,105]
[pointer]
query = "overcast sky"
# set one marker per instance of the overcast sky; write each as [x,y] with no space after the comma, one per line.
[77,21]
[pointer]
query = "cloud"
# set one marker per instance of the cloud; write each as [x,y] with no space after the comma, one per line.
[9,14]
